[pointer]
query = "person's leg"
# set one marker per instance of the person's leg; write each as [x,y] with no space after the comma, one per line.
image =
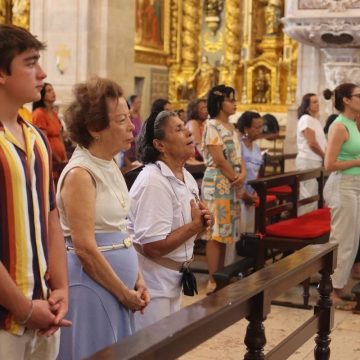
[44,347]
[355,271]
[215,256]
[13,346]
[345,206]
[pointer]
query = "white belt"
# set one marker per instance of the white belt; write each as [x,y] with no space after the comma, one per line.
[127,242]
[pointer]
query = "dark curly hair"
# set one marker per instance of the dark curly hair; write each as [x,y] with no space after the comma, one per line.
[89,109]
[246,119]
[342,91]
[216,97]
[153,128]
[159,105]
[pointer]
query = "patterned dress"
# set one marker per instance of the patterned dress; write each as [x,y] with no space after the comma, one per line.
[217,191]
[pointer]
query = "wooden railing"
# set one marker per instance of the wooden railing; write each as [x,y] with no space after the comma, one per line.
[249,298]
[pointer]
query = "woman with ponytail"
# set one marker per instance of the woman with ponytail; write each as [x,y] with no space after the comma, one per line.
[342,190]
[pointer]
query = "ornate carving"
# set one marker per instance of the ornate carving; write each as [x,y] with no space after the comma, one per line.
[174,11]
[331,5]
[190,32]
[204,78]
[21,13]
[233,41]
[213,10]
[324,32]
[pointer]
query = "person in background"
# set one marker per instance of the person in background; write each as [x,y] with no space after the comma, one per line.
[328,123]
[33,275]
[250,126]
[197,114]
[161,105]
[45,117]
[106,286]
[342,189]
[165,214]
[223,178]
[311,144]
[181,114]
[135,106]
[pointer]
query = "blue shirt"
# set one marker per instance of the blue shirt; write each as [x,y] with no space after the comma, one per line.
[253,161]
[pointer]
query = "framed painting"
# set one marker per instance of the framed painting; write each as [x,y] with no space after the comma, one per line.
[151,30]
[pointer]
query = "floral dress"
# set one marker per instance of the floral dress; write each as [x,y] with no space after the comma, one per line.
[216,190]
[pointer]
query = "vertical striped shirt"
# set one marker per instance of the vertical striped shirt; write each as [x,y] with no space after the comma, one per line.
[26,197]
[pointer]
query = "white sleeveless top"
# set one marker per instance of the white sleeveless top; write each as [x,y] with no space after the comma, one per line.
[112,198]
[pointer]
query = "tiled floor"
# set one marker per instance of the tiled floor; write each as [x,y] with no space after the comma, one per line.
[345,337]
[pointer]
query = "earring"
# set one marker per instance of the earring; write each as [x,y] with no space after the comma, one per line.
[97,137]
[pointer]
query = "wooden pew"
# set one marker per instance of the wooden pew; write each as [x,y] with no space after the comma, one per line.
[250,298]
[296,231]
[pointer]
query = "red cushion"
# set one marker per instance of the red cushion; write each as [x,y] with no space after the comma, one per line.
[309,226]
[284,189]
[269,199]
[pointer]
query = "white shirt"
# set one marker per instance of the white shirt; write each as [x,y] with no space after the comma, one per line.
[112,199]
[159,204]
[304,151]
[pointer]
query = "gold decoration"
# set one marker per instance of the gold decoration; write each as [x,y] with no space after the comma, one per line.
[213,10]
[15,12]
[189,33]
[212,46]
[204,78]
[248,48]
[21,13]
[232,44]
[62,57]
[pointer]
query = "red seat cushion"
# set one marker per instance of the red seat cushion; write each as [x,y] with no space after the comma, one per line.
[308,226]
[283,190]
[269,200]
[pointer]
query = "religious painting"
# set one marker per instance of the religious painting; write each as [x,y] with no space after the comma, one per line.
[152,26]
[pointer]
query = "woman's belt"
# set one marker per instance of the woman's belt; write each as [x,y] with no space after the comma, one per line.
[126,243]
[165,262]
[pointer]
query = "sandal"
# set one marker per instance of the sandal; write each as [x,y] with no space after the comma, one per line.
[344,305]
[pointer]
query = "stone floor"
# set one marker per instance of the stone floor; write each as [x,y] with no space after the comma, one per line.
[345,337]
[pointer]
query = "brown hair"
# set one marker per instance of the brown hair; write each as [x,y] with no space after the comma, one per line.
[342,91]
[89,109]
[15,40]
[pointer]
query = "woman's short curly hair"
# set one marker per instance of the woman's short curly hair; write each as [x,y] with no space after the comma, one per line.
[153,128]
[89,109]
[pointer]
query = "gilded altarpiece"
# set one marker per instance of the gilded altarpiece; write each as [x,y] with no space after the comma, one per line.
[15,12]
[238,43]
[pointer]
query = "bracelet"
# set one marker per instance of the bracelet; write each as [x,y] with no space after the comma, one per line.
[23,322]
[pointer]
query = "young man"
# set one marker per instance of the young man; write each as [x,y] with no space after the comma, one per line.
[33,270]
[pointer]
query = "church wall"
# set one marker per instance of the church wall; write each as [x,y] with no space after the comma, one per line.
[87,38]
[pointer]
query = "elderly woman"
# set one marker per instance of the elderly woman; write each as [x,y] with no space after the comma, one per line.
[311,143]
[197,115]
[250,125]
[224,176]
[165,214]
[106,286]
